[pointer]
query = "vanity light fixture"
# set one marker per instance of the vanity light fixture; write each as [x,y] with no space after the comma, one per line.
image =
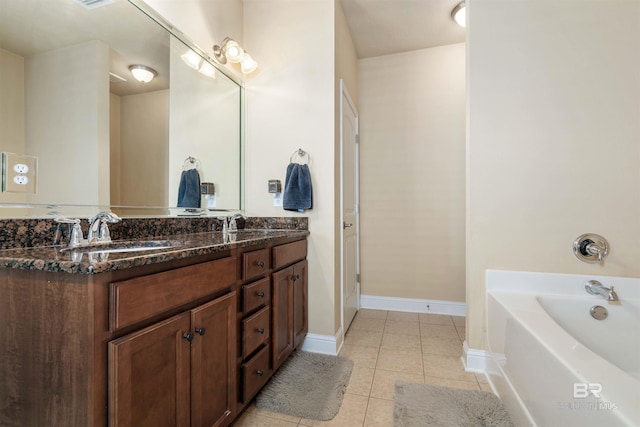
[230,50]
[459,14]
[142,73]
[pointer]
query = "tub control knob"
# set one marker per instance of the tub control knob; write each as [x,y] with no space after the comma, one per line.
[591,248]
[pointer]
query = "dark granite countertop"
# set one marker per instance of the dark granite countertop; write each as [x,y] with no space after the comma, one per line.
[90,260]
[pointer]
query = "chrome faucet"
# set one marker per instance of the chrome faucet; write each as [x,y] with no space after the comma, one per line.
[76,238]
[98,229]
[596,288]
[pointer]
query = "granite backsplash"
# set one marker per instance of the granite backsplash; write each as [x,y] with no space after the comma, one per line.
[24,233]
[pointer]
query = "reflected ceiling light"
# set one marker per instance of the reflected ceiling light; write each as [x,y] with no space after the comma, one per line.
[142,73]
[459,14]
[230,50]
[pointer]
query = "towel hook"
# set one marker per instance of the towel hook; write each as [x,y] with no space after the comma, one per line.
[301,154]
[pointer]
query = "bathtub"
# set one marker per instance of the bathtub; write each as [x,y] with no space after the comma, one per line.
[551,362]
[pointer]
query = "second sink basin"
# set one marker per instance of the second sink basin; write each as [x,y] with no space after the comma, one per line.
[126,246]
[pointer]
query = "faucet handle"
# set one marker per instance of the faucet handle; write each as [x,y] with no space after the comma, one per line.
[76,239]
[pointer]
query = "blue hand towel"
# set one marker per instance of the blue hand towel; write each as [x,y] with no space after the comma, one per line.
[189,190]
[297,188]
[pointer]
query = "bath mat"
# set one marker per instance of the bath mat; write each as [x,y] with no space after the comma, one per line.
[421,405]
[307,385]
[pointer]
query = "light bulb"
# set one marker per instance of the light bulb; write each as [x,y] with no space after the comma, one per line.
[233,52]
[192,59]
[459,14]
[248,65]
[208,70]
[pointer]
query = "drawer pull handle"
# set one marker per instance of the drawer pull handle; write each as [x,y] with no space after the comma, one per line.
[200,331]
[261,294]
[260,372]
[260,330]
[188,336]
[260,263]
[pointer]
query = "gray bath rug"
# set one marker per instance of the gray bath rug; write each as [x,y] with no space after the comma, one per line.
[421,405]
[307,385]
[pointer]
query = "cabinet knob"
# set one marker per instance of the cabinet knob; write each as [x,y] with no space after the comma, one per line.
[260,372]
[261,294]
[188,336]
[295,277]
[260,330]
[260,263]
[200,331]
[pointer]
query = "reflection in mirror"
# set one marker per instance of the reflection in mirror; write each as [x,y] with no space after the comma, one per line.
[101,137]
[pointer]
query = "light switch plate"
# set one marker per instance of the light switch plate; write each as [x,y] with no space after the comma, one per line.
[19,173]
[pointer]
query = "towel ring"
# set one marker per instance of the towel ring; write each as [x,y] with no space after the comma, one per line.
[191,163]
[301,155]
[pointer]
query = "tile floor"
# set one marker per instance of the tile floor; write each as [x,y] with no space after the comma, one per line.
[386,346]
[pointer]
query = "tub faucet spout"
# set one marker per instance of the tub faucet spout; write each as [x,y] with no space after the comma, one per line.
[596,288]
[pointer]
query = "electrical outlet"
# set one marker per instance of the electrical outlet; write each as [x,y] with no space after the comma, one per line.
[19,173]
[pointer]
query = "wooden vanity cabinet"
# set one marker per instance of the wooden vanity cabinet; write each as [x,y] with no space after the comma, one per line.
[180,371]
[188,342]
[289,299]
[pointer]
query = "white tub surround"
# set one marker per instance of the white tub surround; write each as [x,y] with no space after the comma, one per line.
[551,362]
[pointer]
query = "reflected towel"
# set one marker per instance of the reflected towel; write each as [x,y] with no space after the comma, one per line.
[189,190]
[297,188]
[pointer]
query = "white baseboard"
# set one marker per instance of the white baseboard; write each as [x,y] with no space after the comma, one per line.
[475,360]
[413,305]
[325,344]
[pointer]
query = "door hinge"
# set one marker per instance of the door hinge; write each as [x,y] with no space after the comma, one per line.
[358,278]
[357,138]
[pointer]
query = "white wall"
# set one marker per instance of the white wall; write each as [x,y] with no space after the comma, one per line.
[290,105]
[412,151]
[553,139]
[70,86]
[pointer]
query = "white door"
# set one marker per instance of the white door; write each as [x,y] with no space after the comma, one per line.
[350,242]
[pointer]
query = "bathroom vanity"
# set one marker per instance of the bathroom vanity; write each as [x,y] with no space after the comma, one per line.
[179,336]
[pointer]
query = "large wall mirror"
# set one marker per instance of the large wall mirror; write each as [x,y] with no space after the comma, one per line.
[101,137]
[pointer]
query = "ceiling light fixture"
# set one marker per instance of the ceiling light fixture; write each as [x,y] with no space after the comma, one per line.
[142,73]
[459,14]
[230,50]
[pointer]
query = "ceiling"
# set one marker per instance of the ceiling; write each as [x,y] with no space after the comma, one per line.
[383,27]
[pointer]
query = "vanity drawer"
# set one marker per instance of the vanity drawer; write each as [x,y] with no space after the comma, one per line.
[255,263]
[255,331]
[255,373]
[255,295]
[289,253]
[134,300]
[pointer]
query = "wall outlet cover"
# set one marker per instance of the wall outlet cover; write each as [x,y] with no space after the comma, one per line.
[19,173]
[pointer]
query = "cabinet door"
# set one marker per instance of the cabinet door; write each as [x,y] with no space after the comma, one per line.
[282,330]
[213,364]
[299,283]
[149,376]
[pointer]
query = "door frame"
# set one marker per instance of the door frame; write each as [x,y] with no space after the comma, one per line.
[344,94]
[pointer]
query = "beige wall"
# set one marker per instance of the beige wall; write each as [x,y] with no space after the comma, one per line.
[12,111]
[144,149]
[70,86]
[553,139]
[115,145]
[412,151]
[290,105]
